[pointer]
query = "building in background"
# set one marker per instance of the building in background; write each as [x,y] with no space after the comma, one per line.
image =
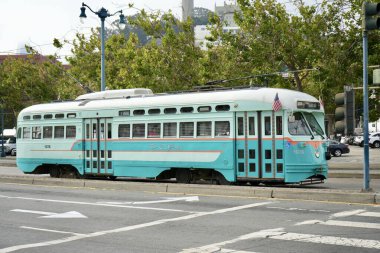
[226,13]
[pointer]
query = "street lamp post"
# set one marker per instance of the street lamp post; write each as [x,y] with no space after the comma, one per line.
[2,131]
[102,14]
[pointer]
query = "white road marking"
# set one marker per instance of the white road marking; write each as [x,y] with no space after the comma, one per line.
[347,213]
[49,230]
[71,214]
[254,235]
[352,224]
[340,223]
[166,200]
[280,234]
[128,228]
[299,209]
[369,214]
[97,204]
[330,240]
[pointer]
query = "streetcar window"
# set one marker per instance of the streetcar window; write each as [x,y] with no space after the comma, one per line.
[27,117]
[187,109]
[267,125]
[124,130]
[170,129]
[154,111]
[59,116]
[19,130]
[71,115]
[154,130]
[124,113]
[298,126]
[138,130]
[222,108]
[222,128]
[138,112]
[26,133]
[36,116]
[47,132]
[251,125]
[70,131]
[109,130]
[186,129]
[204,128]
[240,126]
[36,132]
[204,109]
[48,116]
[170,110]
[59,132]
[279,125]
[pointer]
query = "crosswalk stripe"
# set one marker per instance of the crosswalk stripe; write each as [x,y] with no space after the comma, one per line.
[280,234]
[347,213]
[352,224]
[331,240]
[369,214]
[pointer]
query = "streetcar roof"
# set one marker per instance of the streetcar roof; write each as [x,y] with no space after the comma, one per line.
[265,96]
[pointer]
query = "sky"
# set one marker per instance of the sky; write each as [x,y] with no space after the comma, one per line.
[38,22]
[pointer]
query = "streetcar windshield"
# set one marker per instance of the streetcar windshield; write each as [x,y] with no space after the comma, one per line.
[313,123]
[300,123]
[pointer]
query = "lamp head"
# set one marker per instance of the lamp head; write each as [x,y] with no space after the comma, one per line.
[122,23]
[82,15]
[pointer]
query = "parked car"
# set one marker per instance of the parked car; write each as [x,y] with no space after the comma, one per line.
[374,140]
[359,140]
[10,145]
[337,149]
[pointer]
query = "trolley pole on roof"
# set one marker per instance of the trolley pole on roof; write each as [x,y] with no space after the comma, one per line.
[102,14]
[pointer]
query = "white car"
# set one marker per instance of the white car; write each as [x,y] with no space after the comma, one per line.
[374,140]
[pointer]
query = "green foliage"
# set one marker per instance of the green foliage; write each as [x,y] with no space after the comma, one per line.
[318,45]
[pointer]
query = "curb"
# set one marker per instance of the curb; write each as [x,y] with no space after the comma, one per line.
[193,189]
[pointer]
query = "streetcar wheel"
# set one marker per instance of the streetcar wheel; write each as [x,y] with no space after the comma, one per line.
[183,176]
[337,152]
[55,172]
[112,178]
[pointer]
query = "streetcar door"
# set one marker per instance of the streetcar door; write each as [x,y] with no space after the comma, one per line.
[271,144]
[247,145]
[97,152]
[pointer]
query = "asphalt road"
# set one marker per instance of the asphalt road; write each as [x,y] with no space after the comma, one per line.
[63,219]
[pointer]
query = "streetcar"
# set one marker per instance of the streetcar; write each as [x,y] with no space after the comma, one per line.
[223,136]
